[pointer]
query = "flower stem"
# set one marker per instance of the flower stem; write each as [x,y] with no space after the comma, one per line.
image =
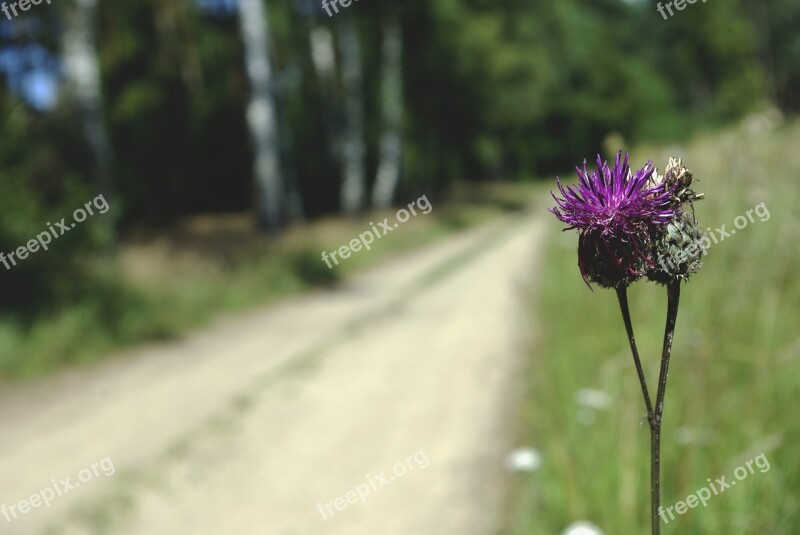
[673,299]
[654,416]
[622,295]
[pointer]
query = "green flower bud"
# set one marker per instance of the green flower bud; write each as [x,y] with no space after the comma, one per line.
[677,249]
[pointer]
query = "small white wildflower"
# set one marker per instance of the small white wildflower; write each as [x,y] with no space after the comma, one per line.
[523,460]
[582,528]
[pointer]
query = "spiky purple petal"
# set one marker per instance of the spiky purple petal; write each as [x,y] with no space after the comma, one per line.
[613,209]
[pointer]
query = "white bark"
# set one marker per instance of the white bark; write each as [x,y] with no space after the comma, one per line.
[391,142]
[323,54]
[82,78]
[261,111]
[353,173]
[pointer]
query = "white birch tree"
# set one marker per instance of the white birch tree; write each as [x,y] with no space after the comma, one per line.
[261,117]
[83,88]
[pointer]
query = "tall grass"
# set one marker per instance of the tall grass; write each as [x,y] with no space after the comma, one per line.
[733,384]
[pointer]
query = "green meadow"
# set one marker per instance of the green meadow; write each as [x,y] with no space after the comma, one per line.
[733,382]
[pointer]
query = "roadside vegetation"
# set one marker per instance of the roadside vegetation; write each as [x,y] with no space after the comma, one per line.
[159,286]
[734,373]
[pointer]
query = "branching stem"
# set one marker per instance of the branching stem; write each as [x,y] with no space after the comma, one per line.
[654,414]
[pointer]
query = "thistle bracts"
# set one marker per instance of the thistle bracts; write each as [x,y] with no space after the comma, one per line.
[677,250]
[678,247]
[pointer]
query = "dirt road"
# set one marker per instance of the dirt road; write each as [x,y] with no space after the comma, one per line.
[378,408]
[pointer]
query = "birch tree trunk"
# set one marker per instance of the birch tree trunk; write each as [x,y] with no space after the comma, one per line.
[261,116]
[353,174]
[391,142]
[82,79]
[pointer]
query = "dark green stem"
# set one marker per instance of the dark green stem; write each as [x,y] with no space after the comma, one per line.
[622,295]
[654,415]
[673,299]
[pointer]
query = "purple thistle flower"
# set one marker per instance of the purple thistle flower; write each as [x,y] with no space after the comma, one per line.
[615,212]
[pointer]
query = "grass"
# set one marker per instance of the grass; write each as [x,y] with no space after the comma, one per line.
[733,383]
[163,286]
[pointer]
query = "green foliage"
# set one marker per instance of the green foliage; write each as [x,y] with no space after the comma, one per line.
[306,264]
[40,183]
[780,49]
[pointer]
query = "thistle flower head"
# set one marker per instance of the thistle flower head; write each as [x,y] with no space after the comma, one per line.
[677,177]
[615,211]
[677,248]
